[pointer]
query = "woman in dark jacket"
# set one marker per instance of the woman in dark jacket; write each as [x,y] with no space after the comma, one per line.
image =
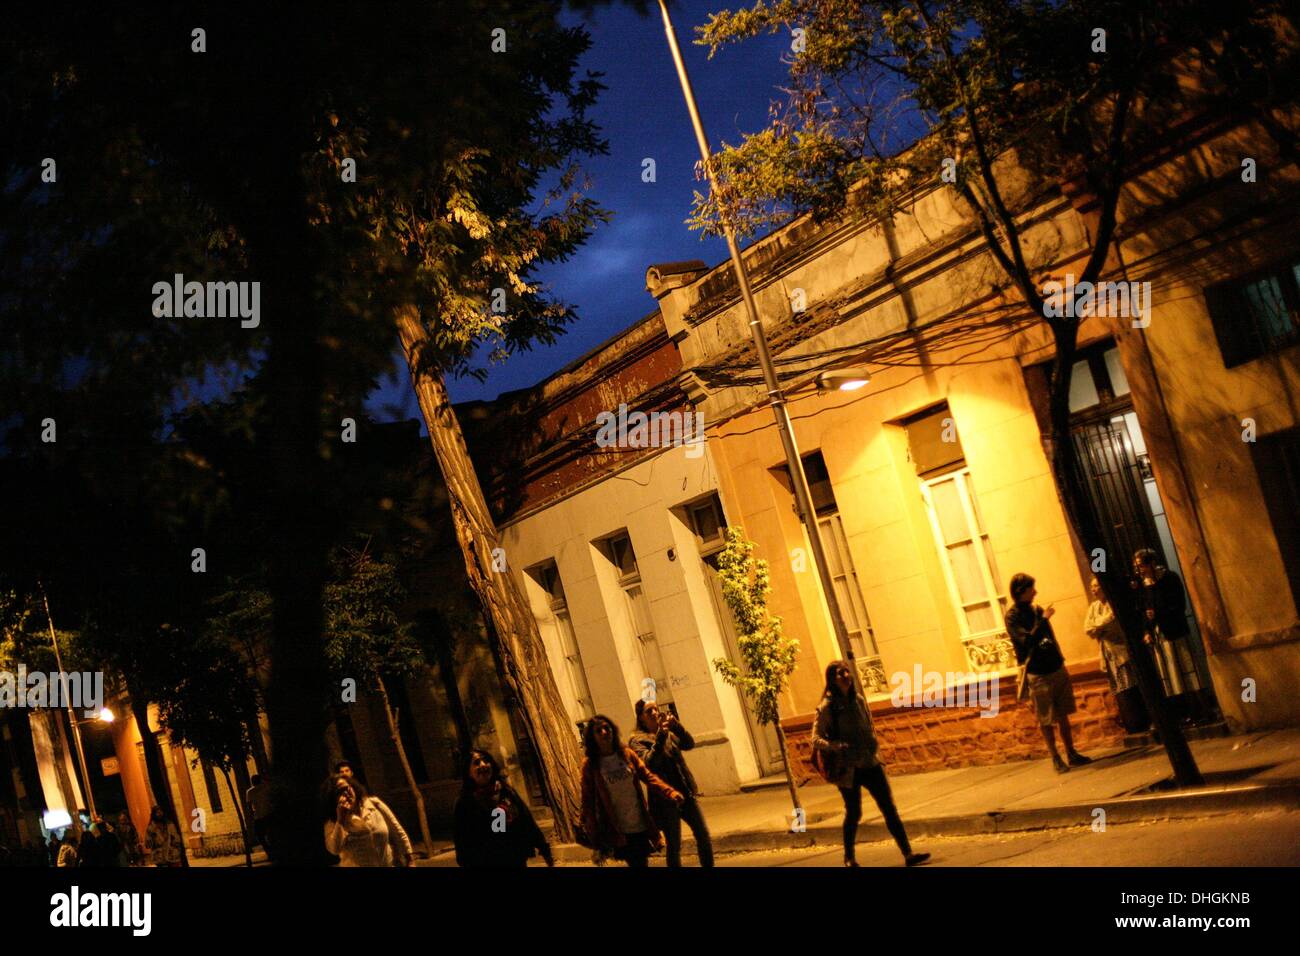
[493,825]
[616,818]
[846,740]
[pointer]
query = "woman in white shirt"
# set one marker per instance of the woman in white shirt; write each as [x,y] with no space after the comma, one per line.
[363,830]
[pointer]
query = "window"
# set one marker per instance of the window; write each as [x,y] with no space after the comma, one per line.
[1097,378]
[707,523]
[966,553]
[621,554]
[210,782]
[1277,462]
[844,576]
[548,576]
[1258,314]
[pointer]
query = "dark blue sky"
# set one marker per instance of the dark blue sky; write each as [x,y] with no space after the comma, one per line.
[642,114]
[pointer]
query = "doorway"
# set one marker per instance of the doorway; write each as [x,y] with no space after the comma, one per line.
[1120,483]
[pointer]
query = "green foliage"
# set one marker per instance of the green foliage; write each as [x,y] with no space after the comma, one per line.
[24,634]
[768,656]
[365,636]
[214,704]
[882,92]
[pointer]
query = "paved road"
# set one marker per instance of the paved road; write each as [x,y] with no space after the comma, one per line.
[1264,839]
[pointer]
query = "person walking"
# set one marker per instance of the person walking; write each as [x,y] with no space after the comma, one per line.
[1163,603]
[162,839]
[616,820]
[493,827]
[1030,630]
[258,801]
[362,830]
[659,741]
[845,741]
[1121,673]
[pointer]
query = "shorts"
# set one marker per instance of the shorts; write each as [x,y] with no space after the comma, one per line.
[1053,696]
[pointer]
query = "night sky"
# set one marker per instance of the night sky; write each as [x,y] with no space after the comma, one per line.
[642,114]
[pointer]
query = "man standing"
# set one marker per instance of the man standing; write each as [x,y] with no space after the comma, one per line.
[1163,603]
[258,802]
[1030,630]
[659,742]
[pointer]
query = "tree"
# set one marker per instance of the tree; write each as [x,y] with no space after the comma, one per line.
[1004,102]
[383,169]
[367,643]
[767,656]
[210,710]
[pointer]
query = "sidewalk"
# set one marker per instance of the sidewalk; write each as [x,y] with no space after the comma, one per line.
[1250,772]
[1256,771]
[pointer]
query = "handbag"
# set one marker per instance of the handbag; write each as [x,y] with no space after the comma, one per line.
[827,762]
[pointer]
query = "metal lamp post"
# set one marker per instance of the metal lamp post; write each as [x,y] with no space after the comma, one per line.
[802,496]
[76,725]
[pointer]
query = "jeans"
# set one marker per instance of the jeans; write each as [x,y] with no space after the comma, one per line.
[636,852]
[670,817]
[877,784]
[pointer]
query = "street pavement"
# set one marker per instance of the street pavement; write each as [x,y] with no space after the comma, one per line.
[1264,839]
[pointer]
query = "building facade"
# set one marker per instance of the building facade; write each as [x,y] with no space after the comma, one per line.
[932,485]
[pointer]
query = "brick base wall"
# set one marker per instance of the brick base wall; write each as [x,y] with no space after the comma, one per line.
[917,739]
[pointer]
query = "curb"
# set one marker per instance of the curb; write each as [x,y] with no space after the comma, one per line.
[1135,809]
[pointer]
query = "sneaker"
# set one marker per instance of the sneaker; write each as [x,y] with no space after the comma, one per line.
[916,859]
[1078,759]
[1058,764]
[852,863]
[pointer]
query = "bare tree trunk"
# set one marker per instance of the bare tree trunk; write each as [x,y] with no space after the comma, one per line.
[243,817]
[395,734]
[524,665]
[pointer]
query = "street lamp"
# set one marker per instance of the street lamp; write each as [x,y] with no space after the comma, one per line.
[802,496]
[843,380]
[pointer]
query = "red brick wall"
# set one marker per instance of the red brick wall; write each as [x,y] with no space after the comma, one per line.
[917,739]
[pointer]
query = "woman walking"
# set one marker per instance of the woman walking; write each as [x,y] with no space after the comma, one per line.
[615,816]
[846,744]
[493,826]
[659,741]
[362,831]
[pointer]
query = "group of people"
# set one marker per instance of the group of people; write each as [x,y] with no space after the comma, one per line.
[101,842]
[636,796]
[1161,606]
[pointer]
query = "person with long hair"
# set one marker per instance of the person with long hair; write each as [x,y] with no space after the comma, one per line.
[846,740]
[162,839]
[616,818]
[362,830]
[659,740]
[493,826]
